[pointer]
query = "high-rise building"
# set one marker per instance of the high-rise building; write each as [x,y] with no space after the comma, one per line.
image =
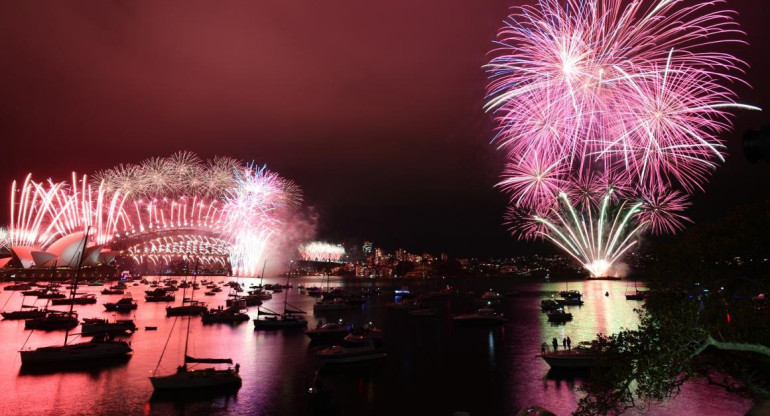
[368,248]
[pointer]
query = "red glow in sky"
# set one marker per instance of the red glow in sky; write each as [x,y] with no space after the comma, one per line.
[373,108]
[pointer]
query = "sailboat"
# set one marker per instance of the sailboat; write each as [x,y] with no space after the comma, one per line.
[25,312]
[329,302]
[101,347]
[52,320]
[636,294]
[189,306]
[189,379]
[290,318]
[29,311]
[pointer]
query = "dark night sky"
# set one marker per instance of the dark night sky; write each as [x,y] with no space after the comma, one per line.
[373,107]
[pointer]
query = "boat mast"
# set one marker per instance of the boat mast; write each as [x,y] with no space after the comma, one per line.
[189,317]
[286,292]
[47,301]
[195,276]
[75,284]
[263,273]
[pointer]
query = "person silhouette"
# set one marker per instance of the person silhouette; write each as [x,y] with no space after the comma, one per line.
[564,343]
[569,343]
[555,344]
[543,347]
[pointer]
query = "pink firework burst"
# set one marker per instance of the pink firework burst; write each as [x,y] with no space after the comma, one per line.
[533,181]
[669,130]
[586,190]
[631,84]
[524,224]
[662,211]
[610,102]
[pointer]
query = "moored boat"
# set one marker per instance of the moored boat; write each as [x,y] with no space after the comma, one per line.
[53,320]
[638,295]
[30,313]
[559,315]
[187,309]
[549,305]
[484,316]
[329,332]
[18,286]
[582,357]
[229,315]
[101,347]
[78,300]
[92,326]
[325,305]
[272,320]
[191,379]
[127,303]
[354,348]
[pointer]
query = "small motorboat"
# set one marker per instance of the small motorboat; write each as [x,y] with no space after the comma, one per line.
[582,357]
[93,326]
[127,303]
[78,300]
[53,320]
[559,315]
[354,349]
[229,315]
[329,332]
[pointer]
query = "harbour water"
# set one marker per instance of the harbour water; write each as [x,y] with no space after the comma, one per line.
[433,367]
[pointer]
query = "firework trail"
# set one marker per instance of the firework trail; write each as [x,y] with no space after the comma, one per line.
[321,251]
[253,213]
[591,238]
[240,207]
[613,95]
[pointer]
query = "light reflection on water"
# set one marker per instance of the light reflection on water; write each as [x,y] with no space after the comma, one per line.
[433,367]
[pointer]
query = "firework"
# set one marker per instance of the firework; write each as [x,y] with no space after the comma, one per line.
[595,241]
[253,212]
[662,210]
[603,104]
[630,84]
[158,209]
[532,181]
[5,239]
[321,251]
[181,174]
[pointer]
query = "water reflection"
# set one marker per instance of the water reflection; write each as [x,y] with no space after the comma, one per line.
[433,367]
